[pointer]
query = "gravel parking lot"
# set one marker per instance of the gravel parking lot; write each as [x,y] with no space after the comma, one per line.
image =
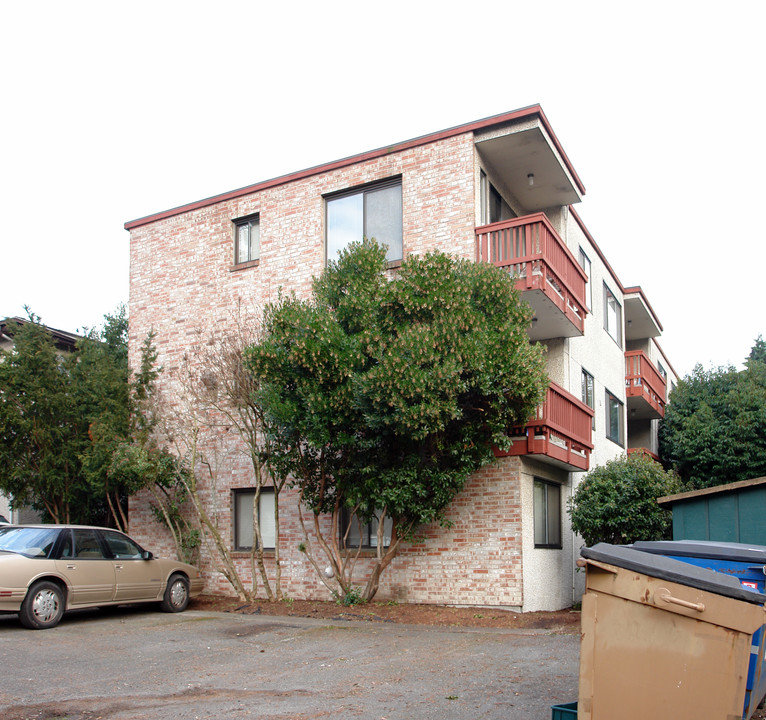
[135,663]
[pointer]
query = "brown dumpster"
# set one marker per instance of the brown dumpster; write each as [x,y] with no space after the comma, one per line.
[663,639]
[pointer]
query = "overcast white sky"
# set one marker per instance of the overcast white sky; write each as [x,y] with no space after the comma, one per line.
[112,111]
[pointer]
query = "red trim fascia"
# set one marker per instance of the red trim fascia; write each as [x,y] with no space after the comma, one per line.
[637,289]
[665,358]
[531,111]
[623,289]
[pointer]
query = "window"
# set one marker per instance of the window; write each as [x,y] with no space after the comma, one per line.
[587,394]
[547,514]
[367,532]
[243,519]
[614,421]
[493,207]
[122,547]
[374,212]
[612,316]
[247,239]
[87,544]
[584,261]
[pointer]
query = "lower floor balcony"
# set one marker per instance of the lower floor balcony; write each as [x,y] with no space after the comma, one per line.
[645,388]
[560,433]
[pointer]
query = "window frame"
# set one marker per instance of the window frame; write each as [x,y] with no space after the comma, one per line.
[367,533]
[364,191]
[616,332]
[588,389]
[236,531]
[585,264]
[544,515]
[610,401]
[251,222]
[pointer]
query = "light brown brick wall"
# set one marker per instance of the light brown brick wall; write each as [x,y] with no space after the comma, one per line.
[182,286]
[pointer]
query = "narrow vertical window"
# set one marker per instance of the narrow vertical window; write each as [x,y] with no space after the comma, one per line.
[547,510]
[587,393]
[584,261]
[614,419]
[247,240]
[612,316]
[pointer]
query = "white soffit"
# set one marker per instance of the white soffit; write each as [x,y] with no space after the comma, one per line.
[515,152]
[639,319]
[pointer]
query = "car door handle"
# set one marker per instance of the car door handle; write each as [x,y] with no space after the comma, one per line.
[71,567]
[118,566]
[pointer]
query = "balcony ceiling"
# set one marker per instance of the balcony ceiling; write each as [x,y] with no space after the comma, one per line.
[513,153]
[640,322]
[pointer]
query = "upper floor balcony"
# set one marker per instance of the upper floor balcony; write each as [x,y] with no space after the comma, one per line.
[645,388]
[559,433]
[546,272]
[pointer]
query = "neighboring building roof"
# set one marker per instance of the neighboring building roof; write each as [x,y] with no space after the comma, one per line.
[64,340]
[533,111]
[668,500]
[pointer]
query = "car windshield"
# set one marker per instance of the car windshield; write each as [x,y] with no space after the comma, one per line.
[28,541]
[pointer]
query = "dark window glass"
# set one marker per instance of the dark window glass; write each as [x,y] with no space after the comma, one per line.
[547,514]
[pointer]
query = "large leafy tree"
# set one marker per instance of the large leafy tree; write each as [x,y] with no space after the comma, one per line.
[42,430]
[67,419]
[389,393]
[714,430]
[617,502]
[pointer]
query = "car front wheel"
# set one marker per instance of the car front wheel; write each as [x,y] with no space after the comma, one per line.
[176,596]
[43,607]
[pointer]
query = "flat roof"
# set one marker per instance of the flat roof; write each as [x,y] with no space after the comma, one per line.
[715,490]
[514,115]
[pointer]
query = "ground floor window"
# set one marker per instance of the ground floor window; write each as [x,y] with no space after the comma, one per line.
[243,518]
[364,533]
[547,514]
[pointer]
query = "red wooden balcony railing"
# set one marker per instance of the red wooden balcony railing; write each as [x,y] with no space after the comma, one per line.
[643,380]
[645,451]
[530,249]
[560,430]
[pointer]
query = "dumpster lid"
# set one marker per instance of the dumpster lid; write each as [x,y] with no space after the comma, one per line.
[666,568]
[709,549]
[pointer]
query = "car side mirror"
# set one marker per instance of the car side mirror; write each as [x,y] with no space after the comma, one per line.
[146,555]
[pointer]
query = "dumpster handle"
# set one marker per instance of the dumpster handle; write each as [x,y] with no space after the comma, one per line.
[663,595]
[602,566]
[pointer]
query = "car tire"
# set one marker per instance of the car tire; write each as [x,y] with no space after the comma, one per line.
[176,597]
[43,607]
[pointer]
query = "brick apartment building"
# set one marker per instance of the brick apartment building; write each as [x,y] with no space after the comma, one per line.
[498,190]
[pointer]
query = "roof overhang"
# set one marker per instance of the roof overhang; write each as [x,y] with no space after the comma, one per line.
[531,163]
[640,320]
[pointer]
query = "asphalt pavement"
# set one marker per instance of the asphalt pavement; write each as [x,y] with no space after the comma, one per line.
[138,663]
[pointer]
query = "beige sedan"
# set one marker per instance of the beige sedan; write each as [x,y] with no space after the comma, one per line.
[47,569]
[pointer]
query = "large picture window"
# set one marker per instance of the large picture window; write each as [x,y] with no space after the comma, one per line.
[547,514]
[373,212]
[243,519]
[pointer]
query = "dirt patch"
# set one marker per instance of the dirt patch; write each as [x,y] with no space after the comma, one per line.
[567,621]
